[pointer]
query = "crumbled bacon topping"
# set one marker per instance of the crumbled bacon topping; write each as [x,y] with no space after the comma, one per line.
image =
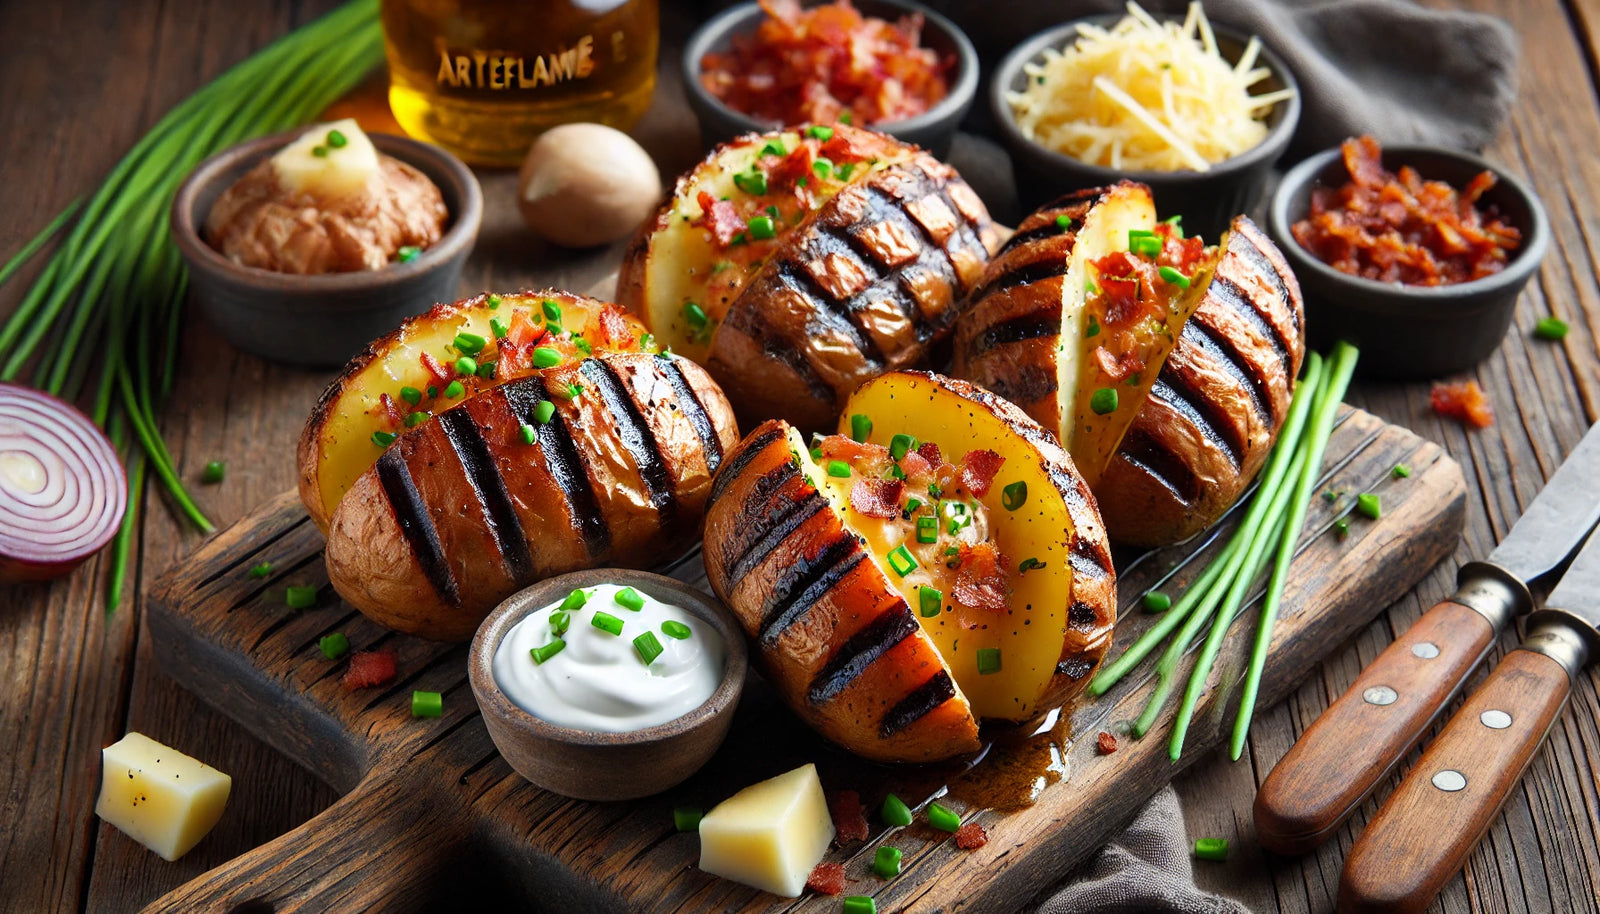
[438,375]
[877,497]
[1119,368]
[827,878]
[1105,743]
[390,411]
[612,329]
[917,468]
[368,669]
[931,453]
[981,577]
[978,469]
[721,217]
[849,817]
[971,836]
[1464,402]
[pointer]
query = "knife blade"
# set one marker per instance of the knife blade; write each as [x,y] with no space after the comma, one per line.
[1318,784]
[1422,834]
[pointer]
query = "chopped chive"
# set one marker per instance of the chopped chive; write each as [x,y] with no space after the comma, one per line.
[560,622]
[527,434]
[336,140]
[860,427]
[552,310]
[628,598]
[859,904]
[820,132]
[383,439]
[426,704]
[900,445]
[952,551]
[1400,471]
[334,646]
[1156,602]
[575,600]
[415,419]
[927,529]
[321,152]
[606,622]
[469,343]
[543,411]
[1211,848]
[844,117]
[1104,401]
[943,817]
[486,369]
[545,357]
[930,600]
[893,471]
[1063,222]
[761,228]
[411,395]
[686,818]
[838,469]
[647,342]
[752,182]
[895,811]
[1014,495]
[261,570]
[1094,327]
[901,561]
[214,472]
[1550,328]
[494,301]
[545,651]
[935,490]
[300,596]
[453,390]
[1174,277]
[1369,505]
[988,660]
[676,630]
[912,504]
[823,167]
[573,391]
[1341,527]
[498,328]
[846,170]
[1028,564]
[816,453]
[648,647]
[774,148]
[886,862]
[432,391]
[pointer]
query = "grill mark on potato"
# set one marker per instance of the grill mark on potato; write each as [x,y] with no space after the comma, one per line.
[636,436]
[1228,293]
[1029,326]
[1024,275]
[1221,350]
[842,240]
[783,351]
[742,456]
[805,582]
[1038,233]
[416,525]
[1075,667]
[917,704]
[562,462]
[473,452]
[861,650]
[1081,616]
[693,410]
[1030,383]
[1263,262]
[775,531]
[1156,459]
[1199,412]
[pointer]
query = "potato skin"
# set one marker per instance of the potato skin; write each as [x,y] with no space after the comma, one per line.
[459,513]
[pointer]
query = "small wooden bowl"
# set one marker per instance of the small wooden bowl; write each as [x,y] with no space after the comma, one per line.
[591,765]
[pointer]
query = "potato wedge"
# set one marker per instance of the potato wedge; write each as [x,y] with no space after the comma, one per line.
[461,511]
[370,400]
[797,264]
[835,590]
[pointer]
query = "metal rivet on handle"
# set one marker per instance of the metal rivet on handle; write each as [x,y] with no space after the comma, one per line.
[1450,780]
[1495,719]
[1380,695]
[1426,650]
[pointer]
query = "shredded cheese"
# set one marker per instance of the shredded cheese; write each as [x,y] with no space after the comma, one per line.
[1145,96]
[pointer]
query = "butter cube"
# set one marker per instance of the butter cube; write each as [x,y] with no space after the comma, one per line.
[328,161]
[769,835]
[158,796]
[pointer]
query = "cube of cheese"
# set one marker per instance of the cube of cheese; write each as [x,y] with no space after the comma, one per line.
[158,796]
[769,835]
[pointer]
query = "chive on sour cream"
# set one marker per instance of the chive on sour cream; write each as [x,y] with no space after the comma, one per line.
[609,659]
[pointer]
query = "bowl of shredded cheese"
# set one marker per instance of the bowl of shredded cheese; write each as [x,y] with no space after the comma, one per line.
[1197,111]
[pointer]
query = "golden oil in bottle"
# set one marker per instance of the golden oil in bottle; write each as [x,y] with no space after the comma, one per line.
[483,78]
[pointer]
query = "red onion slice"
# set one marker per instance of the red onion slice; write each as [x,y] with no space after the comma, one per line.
[62,489]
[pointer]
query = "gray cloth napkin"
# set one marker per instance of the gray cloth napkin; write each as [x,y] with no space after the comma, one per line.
[1386,67]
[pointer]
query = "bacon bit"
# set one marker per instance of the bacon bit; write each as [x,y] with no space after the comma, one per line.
[437,373]
[368,669]
[917,468]
[978,469]
[1105,743]
[1464,402]
[721,217]
[1119,368]
[391,411]
[1401,228]
[849,817]
[971,836]
[827,878]
[785,174]
[981,580]
[843,447]
[877,497]
[615,329]
[931,453]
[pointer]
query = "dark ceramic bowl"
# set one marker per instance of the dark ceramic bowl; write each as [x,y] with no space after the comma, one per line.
[325,319]
[932,130]
[1207,200]
[591,765]
[1410,331]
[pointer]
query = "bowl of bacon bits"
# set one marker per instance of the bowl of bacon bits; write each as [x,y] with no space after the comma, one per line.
[890,65]
[1416,253]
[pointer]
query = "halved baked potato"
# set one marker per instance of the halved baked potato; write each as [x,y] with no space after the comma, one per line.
[603,460]
[405,377]
[1165,366]
[796,264]
[896,598]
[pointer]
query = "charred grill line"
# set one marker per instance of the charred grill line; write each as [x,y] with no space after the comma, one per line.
[776,530]
[636,436]
[473,452]
[1263,264]
[1026,274]
[1032,383]
[1023,327]
[1081,616]
[1220,349]
[861,650]
[1075,667]
[562,462]
[804,583]
[741,459]
[830,313]
[1038,233]
[917,704]
[1167,468]
[416,524]
[1171,389]
[693,410]
[1227,292]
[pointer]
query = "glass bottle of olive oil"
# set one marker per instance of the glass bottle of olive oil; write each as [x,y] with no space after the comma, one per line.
[484,78]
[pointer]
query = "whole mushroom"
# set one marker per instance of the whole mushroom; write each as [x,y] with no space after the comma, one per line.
[586,184]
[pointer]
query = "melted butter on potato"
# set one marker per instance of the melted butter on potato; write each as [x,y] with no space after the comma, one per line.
[346,162]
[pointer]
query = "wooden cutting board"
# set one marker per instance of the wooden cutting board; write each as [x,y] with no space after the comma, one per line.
[432,818]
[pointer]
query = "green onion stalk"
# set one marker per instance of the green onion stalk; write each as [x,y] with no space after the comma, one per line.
[101,323]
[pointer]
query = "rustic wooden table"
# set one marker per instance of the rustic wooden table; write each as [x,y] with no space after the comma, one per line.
[86,80]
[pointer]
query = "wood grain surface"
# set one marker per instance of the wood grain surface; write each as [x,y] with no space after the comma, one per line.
[84,80]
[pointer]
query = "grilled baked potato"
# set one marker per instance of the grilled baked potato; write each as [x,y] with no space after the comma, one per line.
[406,377]
[604,460]
[794,265]
[1165,366]
[895,598]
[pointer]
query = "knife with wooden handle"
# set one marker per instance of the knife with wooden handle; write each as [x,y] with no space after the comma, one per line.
[1423,833]
[1320,782]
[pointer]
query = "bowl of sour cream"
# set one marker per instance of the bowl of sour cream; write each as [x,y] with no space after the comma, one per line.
[608,684]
